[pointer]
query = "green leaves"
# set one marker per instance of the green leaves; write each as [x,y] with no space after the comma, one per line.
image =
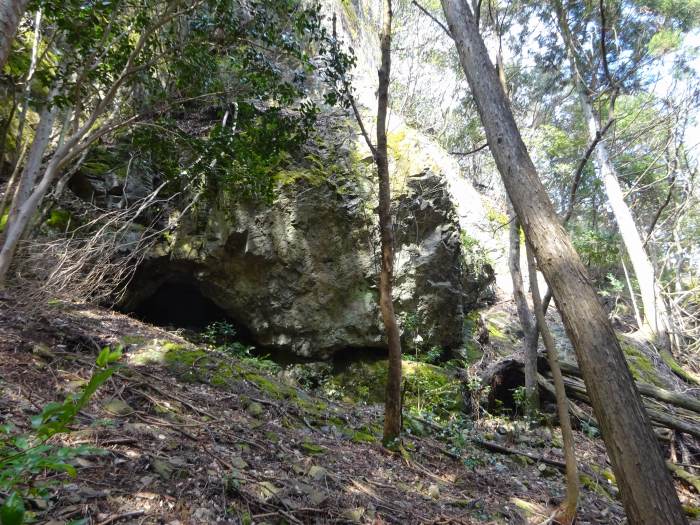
[24,457]
[12,510]
[55,417]
[108,356]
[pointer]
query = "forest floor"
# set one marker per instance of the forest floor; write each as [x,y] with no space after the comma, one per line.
[190,435]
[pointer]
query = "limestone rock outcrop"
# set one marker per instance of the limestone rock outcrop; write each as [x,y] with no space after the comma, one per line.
[300,274]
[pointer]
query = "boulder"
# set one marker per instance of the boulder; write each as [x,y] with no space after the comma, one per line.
[300,274]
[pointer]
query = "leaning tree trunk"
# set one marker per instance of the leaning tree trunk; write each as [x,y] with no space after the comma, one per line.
[11,12]
[655,315]
[392,415]
[567,513]
[646,487]
[530,332]
[31,169]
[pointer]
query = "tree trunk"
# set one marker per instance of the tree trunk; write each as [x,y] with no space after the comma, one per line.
[567,513]
[392,414]
[654,309]
[11,12]
[31,169]
[16,229]
[525,316]
[646,487]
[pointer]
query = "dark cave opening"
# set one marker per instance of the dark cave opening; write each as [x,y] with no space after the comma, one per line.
[181,305]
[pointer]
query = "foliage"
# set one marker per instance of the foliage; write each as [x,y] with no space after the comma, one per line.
[26,457]
[219,333]
[222,335]
[432,356]
[208,95]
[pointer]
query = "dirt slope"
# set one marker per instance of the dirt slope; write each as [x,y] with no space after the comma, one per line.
[196,436]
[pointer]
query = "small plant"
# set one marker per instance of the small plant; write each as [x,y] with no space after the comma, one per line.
[520,397]
[219,333]
[25,457]
[222,335]
[434,355]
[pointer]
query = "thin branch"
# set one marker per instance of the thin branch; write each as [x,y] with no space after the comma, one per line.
[358,118]
[658,213]
[579,170]
[432,17]
[477,13]
[465,153]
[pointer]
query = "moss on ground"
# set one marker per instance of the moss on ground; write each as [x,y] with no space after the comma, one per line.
[428,388]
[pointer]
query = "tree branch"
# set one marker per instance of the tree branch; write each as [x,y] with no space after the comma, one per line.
[465,153]
[432,17]
[579,170]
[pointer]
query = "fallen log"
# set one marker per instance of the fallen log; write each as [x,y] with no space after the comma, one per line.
[503,380]
[505,450]
[658,418]
[669,421]
[577,412]
[661,394]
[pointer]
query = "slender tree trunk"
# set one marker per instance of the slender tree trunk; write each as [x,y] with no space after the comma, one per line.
[31,169]
[18,226]
[11,12]
[654,309]
[567,512]
[646,487]
[530,334]
[633,298]
[10,190]
[392,415]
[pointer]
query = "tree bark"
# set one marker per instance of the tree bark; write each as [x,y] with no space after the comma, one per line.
[11,12]
[31,169]
[654,309]
[392,407]
[567,513]
[646,486]
[525,316]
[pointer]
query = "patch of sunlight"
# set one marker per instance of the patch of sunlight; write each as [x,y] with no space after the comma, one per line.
[152,352]
[534,512]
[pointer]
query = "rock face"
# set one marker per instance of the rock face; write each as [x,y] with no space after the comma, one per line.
[300,274]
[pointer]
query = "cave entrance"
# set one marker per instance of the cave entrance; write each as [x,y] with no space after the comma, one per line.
[182,305]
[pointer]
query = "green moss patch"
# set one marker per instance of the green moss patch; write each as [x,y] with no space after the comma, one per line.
[428,388]
[59,219]
[642,367]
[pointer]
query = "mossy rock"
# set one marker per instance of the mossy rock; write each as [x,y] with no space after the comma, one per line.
[191,365]
[271,387]
[472,352]
[363,435]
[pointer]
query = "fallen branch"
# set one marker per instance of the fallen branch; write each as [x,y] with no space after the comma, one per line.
[505,450]
[684,475]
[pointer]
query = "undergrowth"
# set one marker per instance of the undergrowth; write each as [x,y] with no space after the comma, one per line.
[26,458]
